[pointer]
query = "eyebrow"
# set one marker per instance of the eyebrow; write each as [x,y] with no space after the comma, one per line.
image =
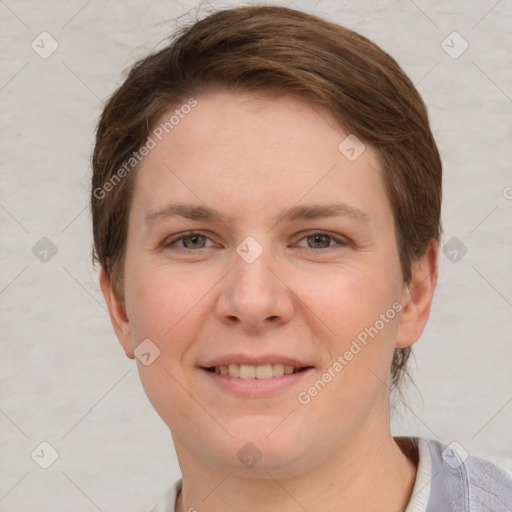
[301,212]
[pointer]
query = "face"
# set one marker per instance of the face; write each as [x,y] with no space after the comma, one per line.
[256,248]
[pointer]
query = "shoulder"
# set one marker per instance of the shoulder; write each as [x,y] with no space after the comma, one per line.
[464,482]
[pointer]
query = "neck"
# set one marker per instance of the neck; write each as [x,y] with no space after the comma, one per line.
[370,473]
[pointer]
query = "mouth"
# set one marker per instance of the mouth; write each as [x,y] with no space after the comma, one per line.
[261,372]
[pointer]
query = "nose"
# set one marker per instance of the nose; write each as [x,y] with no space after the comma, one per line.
[254,296]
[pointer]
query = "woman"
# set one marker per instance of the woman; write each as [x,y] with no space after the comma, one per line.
[266,213]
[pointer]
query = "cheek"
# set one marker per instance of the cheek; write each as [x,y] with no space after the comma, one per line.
[353,382]
[163,305]
[348,300]
[361,306]
[362,309]
[161,299]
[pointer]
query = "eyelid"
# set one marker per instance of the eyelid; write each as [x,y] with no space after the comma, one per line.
[169,241]
[340,240]
[337,238]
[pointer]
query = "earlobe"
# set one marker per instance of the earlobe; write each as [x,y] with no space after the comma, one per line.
[117,313]
[417,297]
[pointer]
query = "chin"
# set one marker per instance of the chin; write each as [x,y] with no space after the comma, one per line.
[263,443]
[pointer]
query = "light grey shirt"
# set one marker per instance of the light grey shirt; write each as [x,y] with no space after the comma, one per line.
[448,479]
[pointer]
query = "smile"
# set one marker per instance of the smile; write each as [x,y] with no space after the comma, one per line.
[247,371]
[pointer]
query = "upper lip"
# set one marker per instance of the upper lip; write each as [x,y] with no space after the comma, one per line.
[253,360]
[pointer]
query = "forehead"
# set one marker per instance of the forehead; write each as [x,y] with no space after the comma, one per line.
[242,154]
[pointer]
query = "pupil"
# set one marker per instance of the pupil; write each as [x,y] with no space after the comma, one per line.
[318,239]
[192,238]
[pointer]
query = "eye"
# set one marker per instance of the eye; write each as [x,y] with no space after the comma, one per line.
[190,240]
[322,240]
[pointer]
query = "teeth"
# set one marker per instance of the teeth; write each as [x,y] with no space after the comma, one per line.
[234,370]
[247,371]
[277,370]
[264,372]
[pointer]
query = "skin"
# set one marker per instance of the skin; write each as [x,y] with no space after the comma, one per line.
[253,157]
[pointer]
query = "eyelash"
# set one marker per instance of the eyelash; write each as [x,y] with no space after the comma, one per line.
[169,243]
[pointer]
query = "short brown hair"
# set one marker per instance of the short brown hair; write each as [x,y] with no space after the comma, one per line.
[274,50]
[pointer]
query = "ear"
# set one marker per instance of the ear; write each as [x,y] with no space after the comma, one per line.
[117,312]
[417,297]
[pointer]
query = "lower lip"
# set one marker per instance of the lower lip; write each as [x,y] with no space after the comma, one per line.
[256,387]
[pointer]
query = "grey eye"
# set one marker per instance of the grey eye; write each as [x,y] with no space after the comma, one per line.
[319,241]
[195,241]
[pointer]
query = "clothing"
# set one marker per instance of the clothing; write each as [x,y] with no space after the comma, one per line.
[447,480]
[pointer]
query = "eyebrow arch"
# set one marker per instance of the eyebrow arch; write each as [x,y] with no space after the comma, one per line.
[301,212]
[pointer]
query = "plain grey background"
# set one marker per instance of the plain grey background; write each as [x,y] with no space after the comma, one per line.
[64,379]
